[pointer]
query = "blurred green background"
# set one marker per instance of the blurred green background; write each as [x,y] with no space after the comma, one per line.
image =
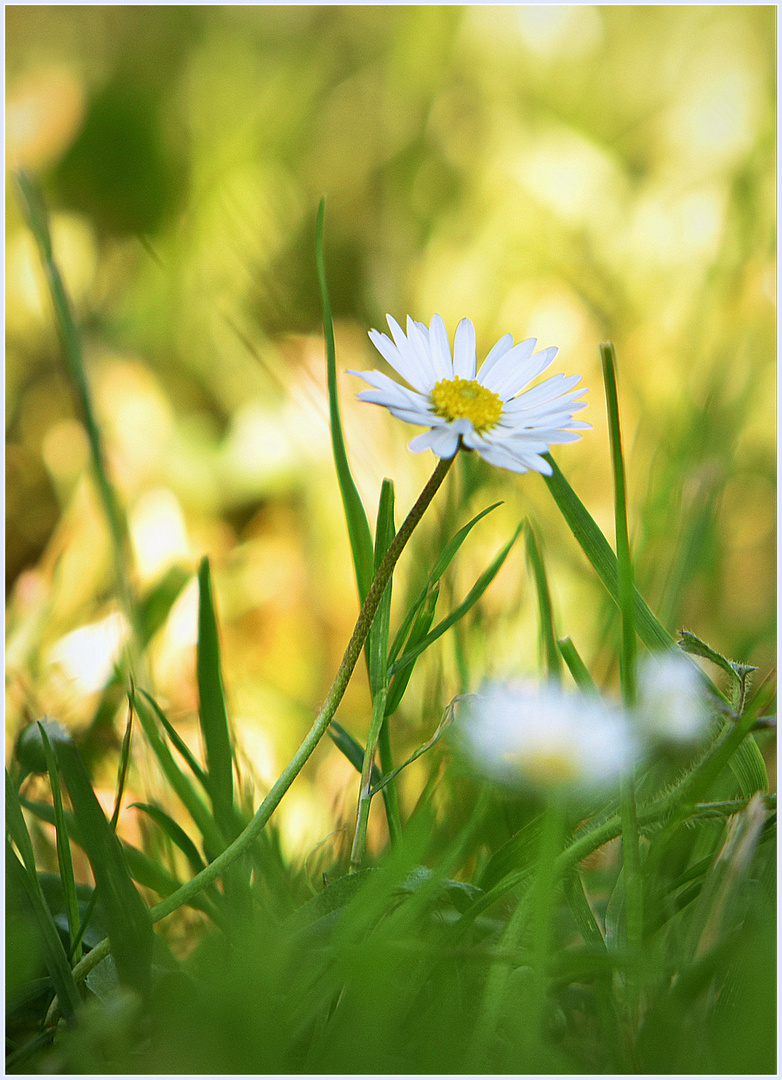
[575,174]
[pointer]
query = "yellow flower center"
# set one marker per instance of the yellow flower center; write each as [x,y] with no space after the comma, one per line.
[457,399]
[546,765]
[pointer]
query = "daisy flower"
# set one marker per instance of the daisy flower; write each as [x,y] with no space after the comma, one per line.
[672,703]
[488,411]
[529,737]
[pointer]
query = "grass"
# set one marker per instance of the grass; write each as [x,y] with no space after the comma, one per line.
[496,931]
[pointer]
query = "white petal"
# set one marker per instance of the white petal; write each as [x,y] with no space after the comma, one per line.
[556,386]
[419,344]
[495,353]
[401,364]
[396,392]
[515,380]
[465,360]
[440,349]
[444,441]
[506,363]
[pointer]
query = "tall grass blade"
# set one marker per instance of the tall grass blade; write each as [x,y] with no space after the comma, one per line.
[625,588]
[213,837]
[214,717]
[547,634]
[54,954]
[64,859]
[355,514]
[444,561]
[576,666]
[37,220]
[126,916]
[474,595]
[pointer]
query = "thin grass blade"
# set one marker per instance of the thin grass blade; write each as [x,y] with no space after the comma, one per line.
[474,595]
[64,859]
[577,667]
[355,514]
[214,717]
[547,635]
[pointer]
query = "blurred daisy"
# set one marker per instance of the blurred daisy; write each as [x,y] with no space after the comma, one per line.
[488,411]
[545,738]
[672,704]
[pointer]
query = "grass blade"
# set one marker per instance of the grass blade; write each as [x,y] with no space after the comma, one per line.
[64,859]
[351,748]
[474,595]
[439,568]
[355,514]
[127,919]
[547,635]
[54,954]
[377,639]
[214,718]
[624,562]
[179,744]
[577,668]
[598,551]
[175,833]
[213,838]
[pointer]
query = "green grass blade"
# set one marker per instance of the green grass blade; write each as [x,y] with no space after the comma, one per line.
[175,833]
[439,568]
[624,562]
[598,552]
[355,514]
[155,607]
[124,762]
[214,718]
[548,637]
[474,595]
[420,628]
[213,838]
[576,666]
[64,859]
[37,220]
[126,916]
[179,743]
[377,639]
[377,643]
[351,748]
[54,954]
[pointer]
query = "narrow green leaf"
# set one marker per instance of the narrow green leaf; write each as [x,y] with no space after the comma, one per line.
[214,718]
[577,667]
[179,743]
[442,727]
[624,562]
[578,903]
[127,918]
[475,593]
[747,762]
[377,640]
[444,561]
[175,833]
[54,954]
[355,514]
[155,607]
[548,637]
[37,219]
[124,761]
[739,673]
[213,838]
[421,626]
[598,551]
[64,859]
[351,748]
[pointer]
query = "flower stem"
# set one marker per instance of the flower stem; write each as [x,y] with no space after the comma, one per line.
[247,837]
[364,796]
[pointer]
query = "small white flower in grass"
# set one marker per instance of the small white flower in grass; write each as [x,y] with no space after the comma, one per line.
[672,702]
[488,411]
[545,738]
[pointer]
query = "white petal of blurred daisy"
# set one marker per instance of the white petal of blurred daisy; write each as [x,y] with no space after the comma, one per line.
[672,702]
[544,738]
[488,411]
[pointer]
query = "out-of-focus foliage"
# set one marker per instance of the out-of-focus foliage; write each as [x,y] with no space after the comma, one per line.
[573,173]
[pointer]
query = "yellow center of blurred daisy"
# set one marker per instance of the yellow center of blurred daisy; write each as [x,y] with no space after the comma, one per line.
[457,399]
